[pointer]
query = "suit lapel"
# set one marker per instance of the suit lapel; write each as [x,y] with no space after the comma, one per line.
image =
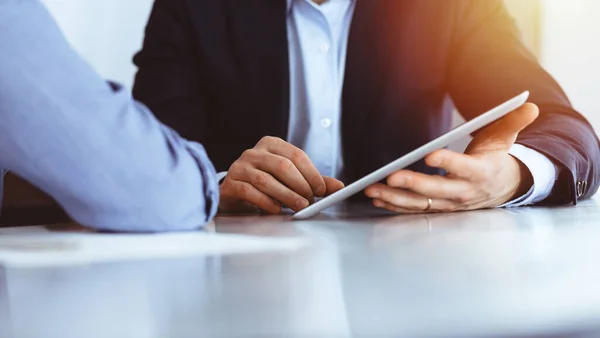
[366,55]
[361,79]
[369,53]
[259,38]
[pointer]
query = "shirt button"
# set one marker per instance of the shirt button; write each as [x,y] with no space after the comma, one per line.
[326,122]
[324,48]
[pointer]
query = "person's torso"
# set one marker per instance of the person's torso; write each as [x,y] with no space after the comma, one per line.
[393,97]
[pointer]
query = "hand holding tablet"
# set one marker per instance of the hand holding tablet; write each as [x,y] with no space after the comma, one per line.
[416,155]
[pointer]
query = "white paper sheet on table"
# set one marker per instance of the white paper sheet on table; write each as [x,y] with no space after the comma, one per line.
[46,249]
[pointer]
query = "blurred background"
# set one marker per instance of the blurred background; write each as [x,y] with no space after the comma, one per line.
[563,34]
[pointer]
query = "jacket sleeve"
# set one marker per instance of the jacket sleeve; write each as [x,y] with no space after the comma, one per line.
[167,80]
[103,156]
[489,64]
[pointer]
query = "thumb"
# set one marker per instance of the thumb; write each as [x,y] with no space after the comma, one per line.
[332,184]
[506,130]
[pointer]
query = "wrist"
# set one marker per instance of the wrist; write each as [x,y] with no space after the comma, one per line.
[524,180]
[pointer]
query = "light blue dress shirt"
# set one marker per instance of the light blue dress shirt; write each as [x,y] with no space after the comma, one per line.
[318,39]
[100,154]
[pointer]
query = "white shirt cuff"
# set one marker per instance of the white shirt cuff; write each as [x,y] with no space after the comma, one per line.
[543,172]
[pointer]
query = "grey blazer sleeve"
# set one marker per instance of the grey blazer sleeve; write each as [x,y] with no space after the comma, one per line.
[96,151]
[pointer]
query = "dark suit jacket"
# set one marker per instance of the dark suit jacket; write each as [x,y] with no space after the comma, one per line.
[217,71]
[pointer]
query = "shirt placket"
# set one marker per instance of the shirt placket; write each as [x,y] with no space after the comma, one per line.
[321,82]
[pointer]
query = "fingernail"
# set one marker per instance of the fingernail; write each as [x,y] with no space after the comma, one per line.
[301,204]
[321,190]
[378,203]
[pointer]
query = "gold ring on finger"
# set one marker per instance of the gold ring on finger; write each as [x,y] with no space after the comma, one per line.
[429,203]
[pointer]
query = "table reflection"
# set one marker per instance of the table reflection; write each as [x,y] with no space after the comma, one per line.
[505,272]
[258,294]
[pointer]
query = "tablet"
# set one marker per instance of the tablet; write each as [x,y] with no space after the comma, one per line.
[414,156]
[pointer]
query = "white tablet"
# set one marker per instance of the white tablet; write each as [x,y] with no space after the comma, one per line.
[414,156]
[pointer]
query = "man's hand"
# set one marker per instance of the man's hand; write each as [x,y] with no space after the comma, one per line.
[272,174]
[486,176]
